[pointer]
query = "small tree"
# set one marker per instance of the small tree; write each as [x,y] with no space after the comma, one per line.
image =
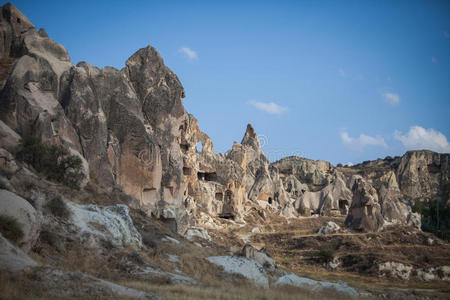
[54,161]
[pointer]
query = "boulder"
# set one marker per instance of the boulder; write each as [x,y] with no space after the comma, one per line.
[197,232]
[261,256]
[248,268]
[302,282]
[18,208]
[329,228]
[113,223]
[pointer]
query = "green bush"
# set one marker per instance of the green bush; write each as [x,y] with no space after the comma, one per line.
[58,208]
[10,228]
[55,162]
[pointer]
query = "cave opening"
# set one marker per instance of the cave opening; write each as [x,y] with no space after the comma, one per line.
[184,147]
[219,196]
[207,176]
[186,171]
[343,206]
[227,216]
[270,200]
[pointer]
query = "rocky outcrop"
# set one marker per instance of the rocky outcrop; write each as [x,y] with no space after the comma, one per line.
[134,136]
[315,174]
[334,199]
[261,256]
[13,258]
[329,228]
[248,268]
[27,217]
[365,212]
[424,175]
[96,224]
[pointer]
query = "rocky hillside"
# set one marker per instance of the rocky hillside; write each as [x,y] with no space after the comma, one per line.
[105,162]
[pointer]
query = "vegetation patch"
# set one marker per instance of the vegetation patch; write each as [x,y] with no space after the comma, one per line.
[55,161]
[59,208]
[435,217]
[11,228]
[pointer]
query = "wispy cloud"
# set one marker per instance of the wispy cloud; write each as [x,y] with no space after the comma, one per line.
[188,53]
[341,72]
[268,107]
[362,141]
[392,98]
[434,60]
[419,138]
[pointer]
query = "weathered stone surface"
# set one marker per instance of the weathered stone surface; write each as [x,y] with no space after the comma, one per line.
[9,139]
[316,174]
[112,223]
[424,175]
[19,209]
[261,256]
[248,268]
[334,199]
[329,227]
[13,258]
[365,212]
[197,232]
[133,134]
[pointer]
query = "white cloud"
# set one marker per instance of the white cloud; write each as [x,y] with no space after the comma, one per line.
[419,138]
[362,141]
[188,53]
[434,60]
[270,107]
[392,98]
[341,72]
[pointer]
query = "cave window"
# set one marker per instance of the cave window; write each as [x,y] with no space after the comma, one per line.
[219,196]
[343,204]
[199,147]
[186,171]
[289,187]
[184,147]
[369,210]
[18,20]
[181,127]
[228,195]
[207,176]
[227,216]
[270,200]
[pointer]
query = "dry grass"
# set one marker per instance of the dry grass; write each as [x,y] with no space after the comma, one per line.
[18,286]
[227,291]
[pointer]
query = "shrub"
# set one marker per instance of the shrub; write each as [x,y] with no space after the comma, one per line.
[326,253]
[303,211]
[58,208]
[328,250]
[54,161]
[10,228]
[339,165]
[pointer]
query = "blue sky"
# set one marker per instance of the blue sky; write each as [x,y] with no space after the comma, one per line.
[343,81]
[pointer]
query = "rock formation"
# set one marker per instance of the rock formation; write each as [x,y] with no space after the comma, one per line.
[365,211]
[134,137]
